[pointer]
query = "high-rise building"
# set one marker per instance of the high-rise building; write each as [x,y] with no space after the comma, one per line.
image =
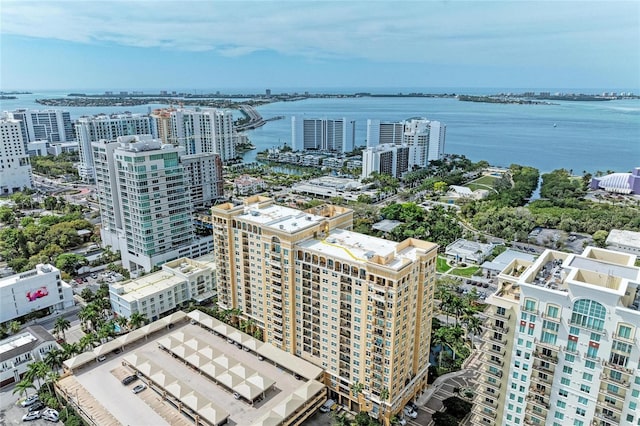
[561,342]
[381,133]
[15,168]
[358,306]
[426,139]
[144,201]
[386,159]
[107,127]
[322,134]
[201,131]
[51,125]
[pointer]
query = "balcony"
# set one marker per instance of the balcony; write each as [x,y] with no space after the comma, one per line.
[546,345]
[545,381]
[618,367]
[481,412]
[503,330]
[542,368]
[488,371]
[618,382]
[479,418]
[538,402]
[483,401]
[612,420]
[625,339]
[551,358]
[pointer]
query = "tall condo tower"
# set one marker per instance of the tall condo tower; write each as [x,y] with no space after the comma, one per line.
[358,306]
[205,131]
[51,125]
[561,342]
[144,201]
[322,134]
[107,127]
[15,168]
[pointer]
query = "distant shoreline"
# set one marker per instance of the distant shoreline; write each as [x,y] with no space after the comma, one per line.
[220,100]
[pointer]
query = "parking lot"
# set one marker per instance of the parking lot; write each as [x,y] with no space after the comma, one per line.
[11,412]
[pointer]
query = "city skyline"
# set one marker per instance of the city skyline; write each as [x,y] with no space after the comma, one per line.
[201,45]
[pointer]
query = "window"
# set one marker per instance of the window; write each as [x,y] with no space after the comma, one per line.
[565,381]
[590,365]
[562,404]
[588,313]
[530,305]
[585,388]
[567,370]
[569,358]
[552,311]
[563,392]
[581,412]
[559,415]
[572,346]
[588,377]
[582,400]
[624,331]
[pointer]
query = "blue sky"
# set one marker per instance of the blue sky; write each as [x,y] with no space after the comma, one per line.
[304,44]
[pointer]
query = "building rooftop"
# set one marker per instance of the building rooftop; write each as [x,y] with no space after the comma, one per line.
[41,269]
[622,237]
[24,341]
[280,217]
[505,258]
[146,285]
[352,246]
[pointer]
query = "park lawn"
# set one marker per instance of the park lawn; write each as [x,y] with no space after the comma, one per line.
[465,272]
[441,265]
[485,180]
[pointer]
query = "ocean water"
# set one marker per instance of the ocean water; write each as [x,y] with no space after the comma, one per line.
[578,136]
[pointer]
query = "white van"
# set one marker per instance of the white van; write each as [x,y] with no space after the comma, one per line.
[326,407]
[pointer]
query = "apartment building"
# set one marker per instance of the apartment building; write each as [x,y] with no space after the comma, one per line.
[322,134]
[392,160]
[562,342]
[107,127]
[51,125]
[426,139]
[159,293]
[381,133]
[144,202]
[357,306]
[199,131]
[15,168]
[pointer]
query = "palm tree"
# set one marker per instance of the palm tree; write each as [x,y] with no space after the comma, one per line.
[50,378]
[14,327]
[122,322]
[36,371]
[23,386]
[106,331]
[136,320]
[384,394]
[60,326]
[473,324]
[69,350]
[356,388]
[54,359]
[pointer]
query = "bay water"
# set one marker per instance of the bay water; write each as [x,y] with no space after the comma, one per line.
[577,136]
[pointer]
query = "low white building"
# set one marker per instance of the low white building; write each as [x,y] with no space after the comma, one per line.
[39,289]
[462,250]
[156,294]
[18,351]
[624,241]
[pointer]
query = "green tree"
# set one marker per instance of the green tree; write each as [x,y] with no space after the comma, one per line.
[14,327]
[7,216]
[70,262]
[36,371]
[60,326]
[23,386]
[137,320]
[600,238]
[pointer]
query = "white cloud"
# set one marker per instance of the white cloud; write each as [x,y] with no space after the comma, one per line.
[451,32]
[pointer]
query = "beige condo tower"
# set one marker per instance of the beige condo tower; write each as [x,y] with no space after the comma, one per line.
[358,306]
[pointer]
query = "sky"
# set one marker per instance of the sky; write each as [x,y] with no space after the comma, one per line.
[198,45]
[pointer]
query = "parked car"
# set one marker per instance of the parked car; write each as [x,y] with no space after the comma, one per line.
[32,415]
[101,358]
[94,276]
[139,388]
[236,395]
[50,414]
[326,407]
[401,422]
[36,406]
[410,413]
[413,406]
[30,400]
[129,379]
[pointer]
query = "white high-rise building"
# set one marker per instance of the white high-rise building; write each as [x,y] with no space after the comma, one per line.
[51,125]
[386,159]
[107,127]
[15,168]
[144,201]
[426,138]
[561,342]
[206,131]
[381,133]
[322,134]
